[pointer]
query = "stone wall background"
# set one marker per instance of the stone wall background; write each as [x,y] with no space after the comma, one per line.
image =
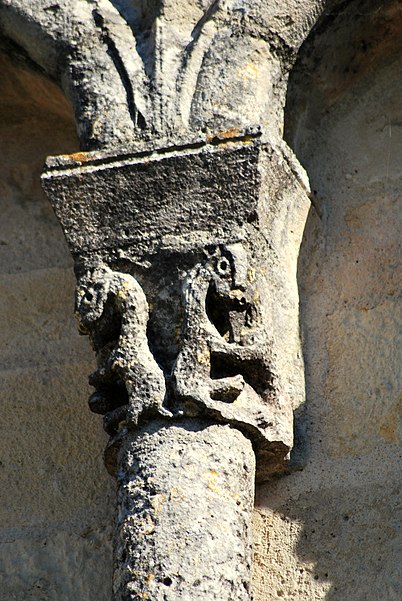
[55,495]
[333,531]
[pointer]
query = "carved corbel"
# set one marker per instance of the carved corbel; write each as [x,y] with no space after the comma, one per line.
[185,261]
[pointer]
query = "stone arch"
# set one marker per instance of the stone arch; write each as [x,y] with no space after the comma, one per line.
[131,79]
[105,101]
[346,132]
[67,42]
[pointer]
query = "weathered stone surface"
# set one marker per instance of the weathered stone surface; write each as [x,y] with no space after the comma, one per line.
[146,201]
[184,522]
[177,278]
[136,71]
[35,120]
[56,500]
[183,72]
[333,530]
[37,310]
[54,564]
[45,432]
[353,287]
[214,330]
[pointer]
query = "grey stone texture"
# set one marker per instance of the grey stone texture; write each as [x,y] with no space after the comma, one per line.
[160,75]
[136,71]
[176,290]
[333,531]
[143,385]
[56,498]
[184,523]
[196,214]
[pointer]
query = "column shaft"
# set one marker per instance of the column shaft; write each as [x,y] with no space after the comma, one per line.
[185,496]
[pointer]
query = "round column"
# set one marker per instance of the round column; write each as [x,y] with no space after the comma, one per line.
[185,497]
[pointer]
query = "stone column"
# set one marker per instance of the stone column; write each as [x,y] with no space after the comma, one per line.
[185,496]
[185,261]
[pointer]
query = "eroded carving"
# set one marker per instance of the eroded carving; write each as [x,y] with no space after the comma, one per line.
[182,291]
[113,310]
[186,287]
[223,369]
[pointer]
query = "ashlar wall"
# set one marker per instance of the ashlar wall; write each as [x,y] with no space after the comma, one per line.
[330,531]
[55,495]
[333,531]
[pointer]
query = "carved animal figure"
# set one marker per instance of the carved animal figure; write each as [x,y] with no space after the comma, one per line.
[113,309]
[215,362]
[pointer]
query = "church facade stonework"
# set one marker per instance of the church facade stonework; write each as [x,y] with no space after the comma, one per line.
[184,209]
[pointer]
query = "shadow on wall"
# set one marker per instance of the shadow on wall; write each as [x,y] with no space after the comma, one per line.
[333,531]
[55,495]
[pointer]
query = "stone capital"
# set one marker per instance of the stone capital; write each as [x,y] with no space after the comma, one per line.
[183,257]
